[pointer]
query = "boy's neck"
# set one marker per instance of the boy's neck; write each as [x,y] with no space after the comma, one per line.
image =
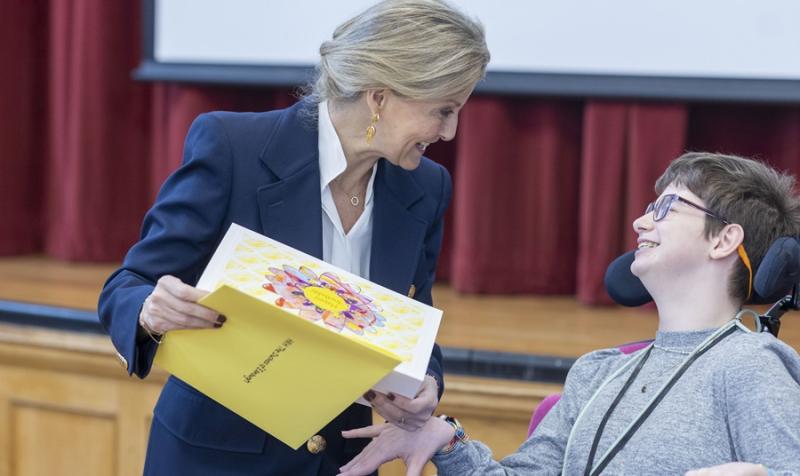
[694,307]
[678,319]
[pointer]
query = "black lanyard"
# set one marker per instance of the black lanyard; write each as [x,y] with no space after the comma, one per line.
[647,411]
[599,433]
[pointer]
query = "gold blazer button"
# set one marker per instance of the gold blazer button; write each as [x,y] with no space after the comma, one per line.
[316,444]
[412,291]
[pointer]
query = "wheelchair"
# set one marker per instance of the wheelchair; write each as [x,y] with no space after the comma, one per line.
[776,281]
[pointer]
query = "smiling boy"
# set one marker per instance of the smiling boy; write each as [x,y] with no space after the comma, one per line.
[708,396]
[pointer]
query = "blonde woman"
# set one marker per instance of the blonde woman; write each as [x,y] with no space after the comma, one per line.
[340,175]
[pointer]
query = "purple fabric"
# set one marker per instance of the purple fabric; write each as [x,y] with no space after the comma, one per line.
[541,410]
[633,346]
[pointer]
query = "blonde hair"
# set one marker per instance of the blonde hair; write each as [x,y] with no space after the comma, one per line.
[419,49]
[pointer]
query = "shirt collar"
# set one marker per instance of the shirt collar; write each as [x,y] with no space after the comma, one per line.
[332,161]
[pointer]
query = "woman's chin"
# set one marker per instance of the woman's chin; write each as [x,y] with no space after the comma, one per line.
[406,162]
[410,163]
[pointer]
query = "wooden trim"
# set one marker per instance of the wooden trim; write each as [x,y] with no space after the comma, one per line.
[62,351]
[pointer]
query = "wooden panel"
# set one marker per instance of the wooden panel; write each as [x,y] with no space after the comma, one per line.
[64,399]
[53,442]
[134,418]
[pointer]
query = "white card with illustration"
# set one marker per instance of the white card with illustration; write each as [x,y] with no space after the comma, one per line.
[337,300]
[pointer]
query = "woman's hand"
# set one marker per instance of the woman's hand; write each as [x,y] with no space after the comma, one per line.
[390,442]
[731,469]
[404,412]
[173,305]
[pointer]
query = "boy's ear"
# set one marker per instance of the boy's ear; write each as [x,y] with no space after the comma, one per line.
[727,241]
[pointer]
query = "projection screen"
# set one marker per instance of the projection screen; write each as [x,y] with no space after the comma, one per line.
[737,50]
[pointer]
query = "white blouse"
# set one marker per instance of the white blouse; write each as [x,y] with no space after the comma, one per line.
[350,251]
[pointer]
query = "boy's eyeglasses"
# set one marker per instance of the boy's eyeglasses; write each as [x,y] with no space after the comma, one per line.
[661,207]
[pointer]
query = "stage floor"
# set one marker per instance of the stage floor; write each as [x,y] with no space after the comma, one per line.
[534,325]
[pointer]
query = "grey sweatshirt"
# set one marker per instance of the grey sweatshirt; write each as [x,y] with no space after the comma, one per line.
[740,401]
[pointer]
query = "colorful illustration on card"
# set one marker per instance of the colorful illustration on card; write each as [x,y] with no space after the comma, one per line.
[340,305]
[309,288]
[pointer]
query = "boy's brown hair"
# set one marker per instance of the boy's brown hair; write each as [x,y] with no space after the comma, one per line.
[752,194]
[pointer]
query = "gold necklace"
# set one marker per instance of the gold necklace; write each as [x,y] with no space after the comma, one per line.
[352,197]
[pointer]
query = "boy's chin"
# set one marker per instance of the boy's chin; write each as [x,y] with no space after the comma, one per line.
[639,270]
[636,268]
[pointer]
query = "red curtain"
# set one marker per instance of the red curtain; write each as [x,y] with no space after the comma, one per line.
[98,126]
[174,107]
[23,98]
[516,196]
[545,189]
[626,146]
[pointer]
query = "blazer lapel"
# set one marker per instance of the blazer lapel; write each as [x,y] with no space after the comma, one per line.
[291,211]
[290,208]
[397,234]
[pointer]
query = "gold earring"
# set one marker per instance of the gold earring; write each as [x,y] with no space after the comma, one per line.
[371,129]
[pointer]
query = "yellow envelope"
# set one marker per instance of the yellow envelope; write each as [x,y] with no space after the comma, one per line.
[288,376]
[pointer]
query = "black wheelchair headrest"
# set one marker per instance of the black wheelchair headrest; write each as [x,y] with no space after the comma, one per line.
[778,273]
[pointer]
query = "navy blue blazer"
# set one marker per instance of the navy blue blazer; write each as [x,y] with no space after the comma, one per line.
[260,170]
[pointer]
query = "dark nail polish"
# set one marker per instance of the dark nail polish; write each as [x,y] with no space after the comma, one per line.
[390,396]
[217,325]
[369,396]
[221,319]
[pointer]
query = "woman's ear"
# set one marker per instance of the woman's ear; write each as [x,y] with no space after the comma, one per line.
[727,241]
[376,99]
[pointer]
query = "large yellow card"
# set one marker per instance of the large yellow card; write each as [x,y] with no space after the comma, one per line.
[282,373]
[303,340]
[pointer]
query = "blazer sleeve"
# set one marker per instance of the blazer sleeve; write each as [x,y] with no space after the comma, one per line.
[433,245]
[178,236]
